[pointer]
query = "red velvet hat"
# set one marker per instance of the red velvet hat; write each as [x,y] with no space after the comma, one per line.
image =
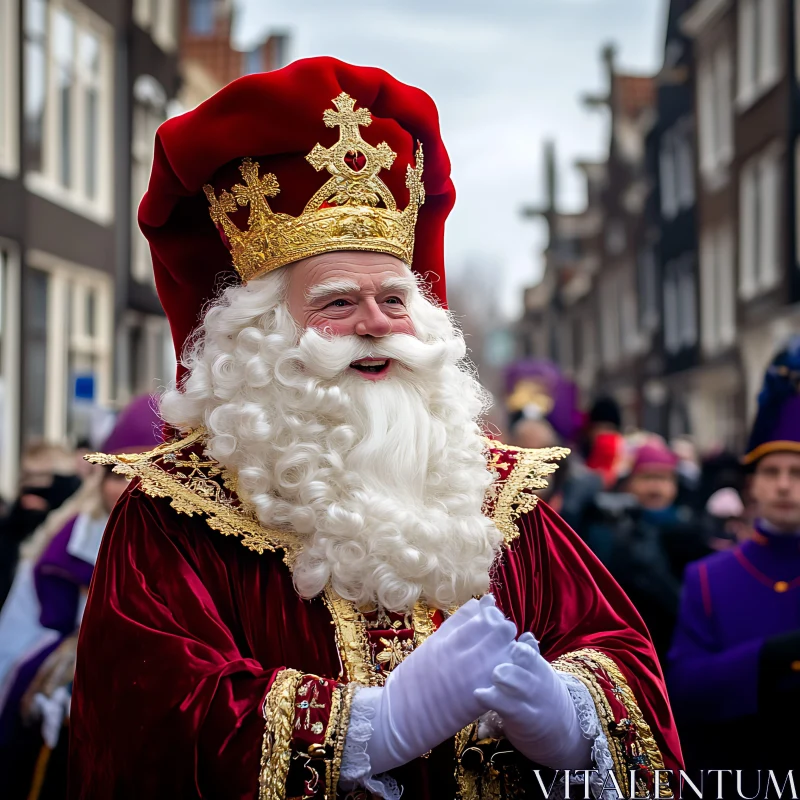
[276,118]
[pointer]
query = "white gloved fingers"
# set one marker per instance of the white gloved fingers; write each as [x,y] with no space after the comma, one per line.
[530,640]
[515,682]
[469,610]
[494,699]
[525,656]
[484,642]
[488,623]
[488,601]
[495,618]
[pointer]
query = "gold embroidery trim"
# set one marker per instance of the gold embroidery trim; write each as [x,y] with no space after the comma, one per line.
[466,781]
[335,766]
[587,677]
[198,494]
[352,640]
[276,752]
[581,664]
[507,500]
[512,496]
[644,734]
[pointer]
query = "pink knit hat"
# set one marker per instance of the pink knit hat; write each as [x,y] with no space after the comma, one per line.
[654,455]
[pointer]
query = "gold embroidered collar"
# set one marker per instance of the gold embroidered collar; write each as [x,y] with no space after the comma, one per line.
[195,483]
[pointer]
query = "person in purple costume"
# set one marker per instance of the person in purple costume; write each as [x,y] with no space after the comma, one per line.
[32,752]
[734,666]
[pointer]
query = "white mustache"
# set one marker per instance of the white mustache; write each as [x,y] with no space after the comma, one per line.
[329,356]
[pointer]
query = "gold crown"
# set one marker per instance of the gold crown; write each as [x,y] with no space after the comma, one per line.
[354,210]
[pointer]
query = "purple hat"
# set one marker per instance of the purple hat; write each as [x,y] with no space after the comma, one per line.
[138,428]
[777,424]
[536,387]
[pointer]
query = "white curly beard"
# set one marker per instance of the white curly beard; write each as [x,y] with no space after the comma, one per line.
[384,479]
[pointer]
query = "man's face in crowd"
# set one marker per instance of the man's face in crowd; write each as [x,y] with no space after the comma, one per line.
[654,487]
[352,293]
[776,490]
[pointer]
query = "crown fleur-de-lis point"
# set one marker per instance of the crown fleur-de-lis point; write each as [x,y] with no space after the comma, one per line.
[255,189]
[346,117]
[219,207]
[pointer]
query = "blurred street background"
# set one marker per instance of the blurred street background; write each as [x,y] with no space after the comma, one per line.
[626,173]
[623,254]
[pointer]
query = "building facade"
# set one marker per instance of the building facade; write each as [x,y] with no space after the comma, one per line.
[84,84]
[712,251]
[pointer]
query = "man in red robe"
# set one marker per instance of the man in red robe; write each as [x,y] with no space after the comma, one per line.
[284,602]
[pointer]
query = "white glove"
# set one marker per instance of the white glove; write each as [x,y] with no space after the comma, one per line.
[431,695]
[539,716]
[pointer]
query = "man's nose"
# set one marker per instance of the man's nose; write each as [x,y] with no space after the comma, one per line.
[371,320]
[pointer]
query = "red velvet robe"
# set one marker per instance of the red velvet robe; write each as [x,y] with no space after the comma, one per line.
[187,633]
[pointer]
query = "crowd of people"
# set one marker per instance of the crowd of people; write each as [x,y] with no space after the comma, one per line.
[708,550]
[706,547]
[49,541]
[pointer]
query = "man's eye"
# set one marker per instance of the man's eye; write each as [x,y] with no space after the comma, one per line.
[394,301]
[340,303]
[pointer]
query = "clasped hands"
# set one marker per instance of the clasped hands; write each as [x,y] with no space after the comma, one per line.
[470,665]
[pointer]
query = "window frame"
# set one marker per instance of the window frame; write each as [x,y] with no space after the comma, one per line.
[10,342]
[63,340]
[760,180]
[160,19]
[46,182]
[714,110]
[9,89]
[149,103]
[759,60]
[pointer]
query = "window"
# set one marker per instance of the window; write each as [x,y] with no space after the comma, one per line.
[687,302]
[149,111]
[160,18]
[668,182]
[9,157]
[9,368]
[147,359]
[759,225]
[648,288]
[676,169]
[718,297]
[201,17]
[715,114]
[629,318]
[797,190]
[253,61]
[68,124]
[610,331]
[680,304]
[672,335]
[35,81]
[68,348]
[759,48]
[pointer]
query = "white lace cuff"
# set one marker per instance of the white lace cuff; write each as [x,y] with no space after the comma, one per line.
[356,768]
[591,729]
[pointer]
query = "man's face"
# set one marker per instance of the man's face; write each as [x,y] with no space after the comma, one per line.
[654,487]
[776,489]
[352,294]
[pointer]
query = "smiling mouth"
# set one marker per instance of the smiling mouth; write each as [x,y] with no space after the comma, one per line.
[371,366]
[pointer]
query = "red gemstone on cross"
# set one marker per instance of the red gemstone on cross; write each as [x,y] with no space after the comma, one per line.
[355,160]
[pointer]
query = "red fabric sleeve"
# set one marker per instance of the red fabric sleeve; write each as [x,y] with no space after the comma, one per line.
[165,705]
[551,584]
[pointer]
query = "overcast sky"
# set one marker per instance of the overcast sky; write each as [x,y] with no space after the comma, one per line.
[506,75]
